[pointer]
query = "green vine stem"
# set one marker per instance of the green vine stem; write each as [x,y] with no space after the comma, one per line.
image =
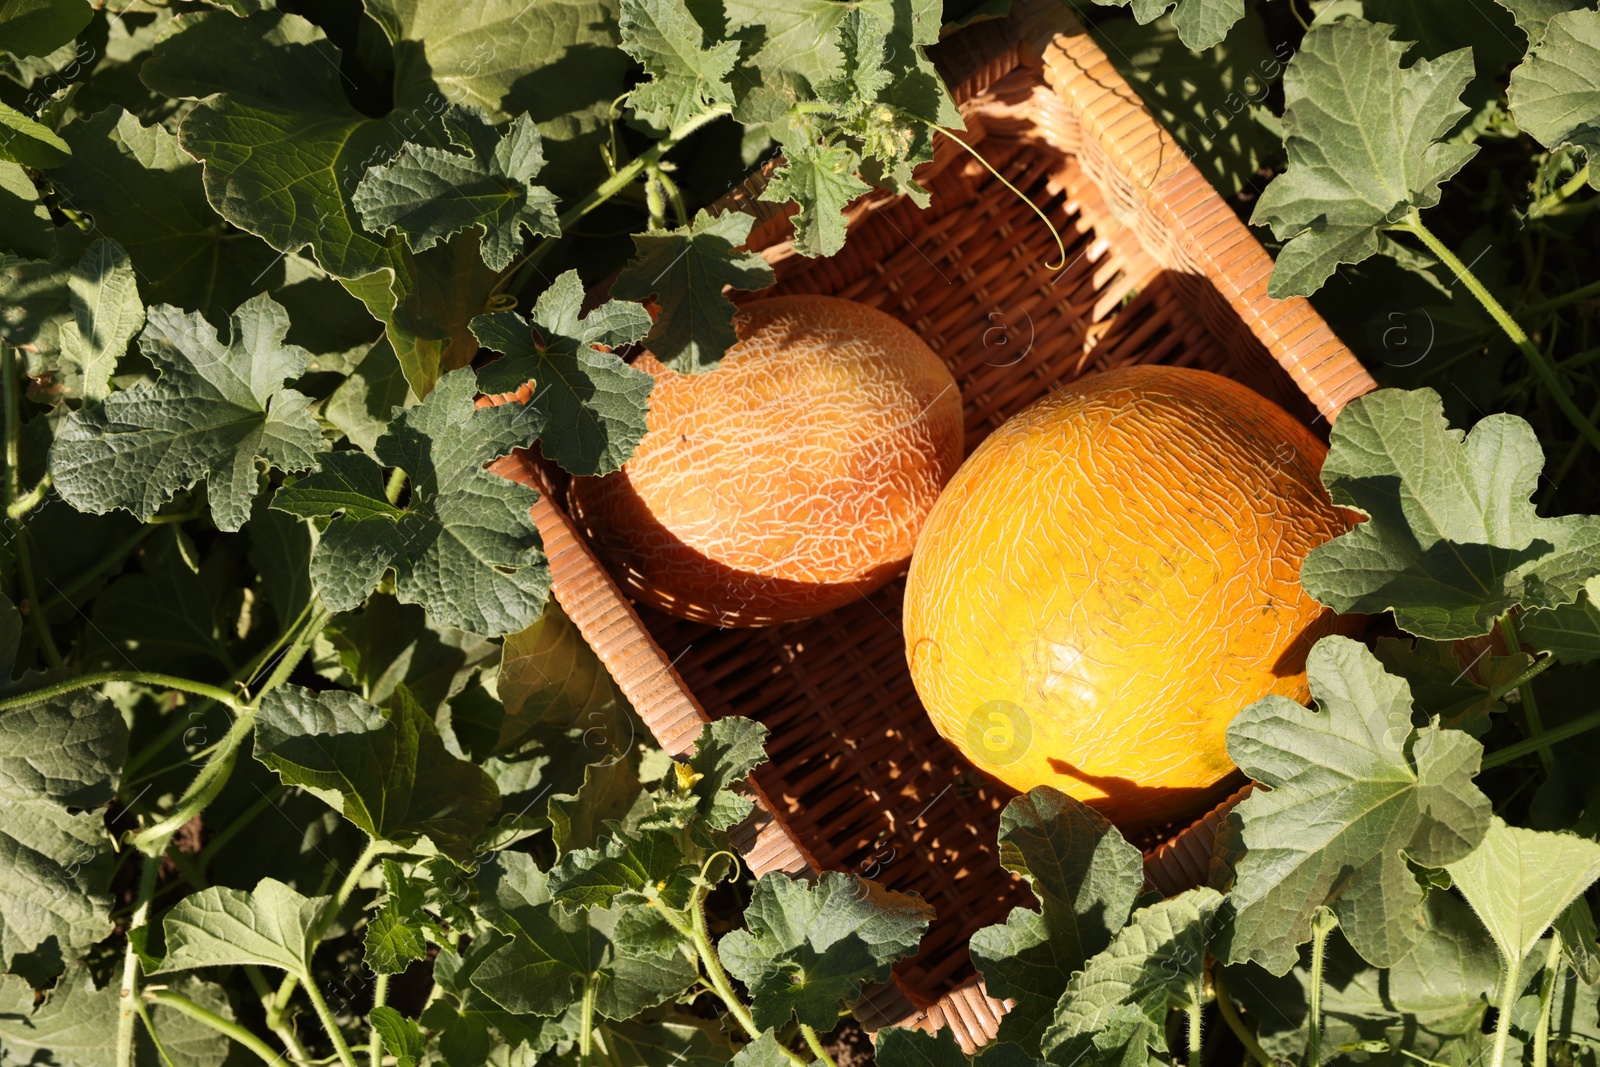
[586,1024]
[319,926]
[128,994]
[11,487]
[84,681]
[1541,366]
[150,1029]
[815,1044]
[341,1047]
[715,972]
[1195,1009]
[152,840]
[1524,678]
[1547,988]
[1557,302]
[1550,737]
[380,994]
[516,274]
[274,1014]
[184,1006]
[1230,1016]
[1550,203]
[1502,1024]
[25,503]
[1322,924]
[1530,706]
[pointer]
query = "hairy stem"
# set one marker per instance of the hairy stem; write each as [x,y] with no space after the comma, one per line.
[182,1004]
[341,1048]
[1196,1012]
[1230,1016]
[716,973]
[1322,924]
[11,496]
[814,1043]
[1551,201]
[150,1028]
[30,589]
[1547,988]
[274,1013]
[128,994]
[380,993]
[1541,365]
[586,1024]
[152,840]
[1502,1023]
[84,681]
[1533,744]
[516,274]
[330,911]
[25,503]
[1530,706]
[1524,678]
[1555,302]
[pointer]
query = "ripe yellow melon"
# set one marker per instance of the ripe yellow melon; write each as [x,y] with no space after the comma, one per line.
[789,481]
[1110,577]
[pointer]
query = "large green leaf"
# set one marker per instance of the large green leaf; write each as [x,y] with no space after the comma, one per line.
[807,948]
[398,933]
[1555,92]
[55,865]
[553,953]
[594,405]
[686,269]
[107,313]
[1086,878]
[269,926]
[685,76]
[464,546]
[39,27]
[1364,141]
[1355,791]
[215,411]
[431,193]
[1200,23]
[1451,540]
[1571,632]
[1519,881]
[147,194]
[386,769]
[76,1025]
[1122,995]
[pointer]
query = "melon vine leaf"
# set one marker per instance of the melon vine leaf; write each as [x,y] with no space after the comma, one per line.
[28,142]
[269,926]
[1354,791]
[39,27]
[798,38]
[1122,995]
[823,181]
[686,270]
[626,869]
[397,933]
[429,193]
[1519,881]
[609,790]
[56,865]
[686,77]
[765,1051]
[1570,632]
[702,798]
[1531,16]
[551,679]
[1086,879]
[24,219]
[107,313]
[1555,92]
[215,411]
[806,948]
[1364,139]
[386,769]
[553,952]
[147,194]
[362,405]
[1451,540]
[76,1025]
[402,1038]
[464,545]
[1201,24]
[1439,686]
[594,405]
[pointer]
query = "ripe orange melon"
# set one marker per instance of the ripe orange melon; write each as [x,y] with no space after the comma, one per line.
[1110,577]
[789,481]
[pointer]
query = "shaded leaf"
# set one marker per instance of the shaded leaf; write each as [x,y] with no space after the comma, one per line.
[807,948]
[24,219]
[386,769]
[1451,540]
[269,926]
[686,270]
[215,411]
[430,193]
[107,314]
[1364,142]
[1354,791]
[1086,878]
[39,27]
[594,405]
[29,143]
[464,546]
[1439,686]
[1571,632]
[398,933]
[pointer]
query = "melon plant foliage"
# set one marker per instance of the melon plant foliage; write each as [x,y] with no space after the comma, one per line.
[300,762]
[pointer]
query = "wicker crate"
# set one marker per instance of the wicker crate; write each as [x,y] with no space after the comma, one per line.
[1158,270]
